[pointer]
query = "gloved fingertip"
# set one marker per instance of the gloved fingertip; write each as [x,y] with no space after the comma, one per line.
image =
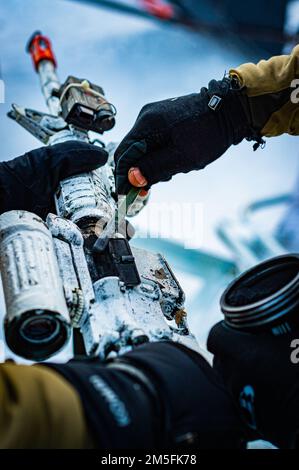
[122,185]
[98,152]
[136,178]
[95,158]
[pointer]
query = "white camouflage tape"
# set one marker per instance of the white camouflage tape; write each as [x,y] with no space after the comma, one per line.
[28,264]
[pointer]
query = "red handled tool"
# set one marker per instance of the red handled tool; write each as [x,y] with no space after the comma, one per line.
[159,8]
[40,48]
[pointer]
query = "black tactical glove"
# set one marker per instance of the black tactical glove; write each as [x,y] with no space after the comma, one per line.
[183,134]
[263,379]
[186,134]
[29,182]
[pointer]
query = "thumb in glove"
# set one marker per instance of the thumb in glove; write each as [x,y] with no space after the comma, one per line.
[30,181]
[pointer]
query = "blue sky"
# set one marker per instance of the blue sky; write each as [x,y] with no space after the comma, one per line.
[137,61]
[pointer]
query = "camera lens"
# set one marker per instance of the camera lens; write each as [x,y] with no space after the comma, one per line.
[265,298]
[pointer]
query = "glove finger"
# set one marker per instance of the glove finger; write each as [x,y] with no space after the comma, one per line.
[155,166]
[41,169]
[146,128]
[131,157]
[131,138]
[37,173]
[160,165]
[62,161]
[72,158]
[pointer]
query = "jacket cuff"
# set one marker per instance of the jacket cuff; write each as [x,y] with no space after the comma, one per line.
[268,76]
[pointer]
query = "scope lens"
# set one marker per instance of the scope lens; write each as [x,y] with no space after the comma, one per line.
[40,330]
[37,334]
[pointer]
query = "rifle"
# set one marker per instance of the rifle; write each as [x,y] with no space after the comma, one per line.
[72,275]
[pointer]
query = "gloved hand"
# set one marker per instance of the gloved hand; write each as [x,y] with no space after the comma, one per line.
[264,382]
[29,182]
[184,134]
[180,135]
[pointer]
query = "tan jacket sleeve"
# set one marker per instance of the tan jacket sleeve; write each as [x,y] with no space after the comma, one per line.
[274,77]
[39,409]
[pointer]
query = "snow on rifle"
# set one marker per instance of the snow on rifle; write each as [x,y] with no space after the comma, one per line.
[56,285]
